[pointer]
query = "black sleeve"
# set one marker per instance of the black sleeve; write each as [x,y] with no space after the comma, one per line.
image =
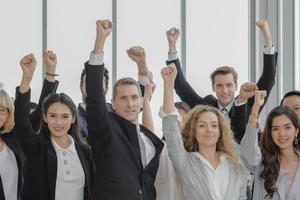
[183,88]
[36,115]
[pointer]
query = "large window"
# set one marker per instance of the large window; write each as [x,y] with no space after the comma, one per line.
[145,23]
[21,33]
[217,35]
[297,43]
[71,34]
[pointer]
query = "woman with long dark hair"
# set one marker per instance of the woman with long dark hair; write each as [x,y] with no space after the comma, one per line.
[59,164]
[275,161]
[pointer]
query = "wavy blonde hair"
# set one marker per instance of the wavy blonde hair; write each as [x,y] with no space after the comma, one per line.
[6,102]
[225,142]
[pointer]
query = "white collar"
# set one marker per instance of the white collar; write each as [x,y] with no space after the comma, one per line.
[70,148]
[228,107]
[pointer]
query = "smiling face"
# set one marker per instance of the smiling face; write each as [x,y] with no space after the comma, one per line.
[59,119]
[127,102]
[225,88]
[283,132]
[207,130]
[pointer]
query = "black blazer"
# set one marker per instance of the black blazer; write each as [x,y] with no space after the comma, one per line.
[238,114]
[12,142]
[41,173]
[119,171]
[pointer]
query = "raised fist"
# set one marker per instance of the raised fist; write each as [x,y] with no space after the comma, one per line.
[50,61]
[169,73]
[104,27]
[173,34]
[137,54]
[247,91]
[28,64]
[149,90]
[259,98]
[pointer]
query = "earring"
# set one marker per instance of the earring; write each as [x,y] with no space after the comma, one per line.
[296,140]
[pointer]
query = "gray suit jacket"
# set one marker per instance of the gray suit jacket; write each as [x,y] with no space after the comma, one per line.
[191,171]
[252,156]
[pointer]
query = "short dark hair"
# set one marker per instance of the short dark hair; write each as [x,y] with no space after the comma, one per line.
[126,81]
[82,80]
[83,75]
[290,93]
[182,105]
[224,70]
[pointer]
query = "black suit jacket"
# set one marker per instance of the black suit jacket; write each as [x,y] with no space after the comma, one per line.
[41,173]
[238,114]
[119,171]
[12,142]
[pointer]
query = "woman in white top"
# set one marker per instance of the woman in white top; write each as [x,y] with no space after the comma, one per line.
[205,156]
[275,161]
[59,165]
[12,158]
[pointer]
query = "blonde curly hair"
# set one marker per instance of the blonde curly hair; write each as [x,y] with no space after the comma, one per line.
[225,142]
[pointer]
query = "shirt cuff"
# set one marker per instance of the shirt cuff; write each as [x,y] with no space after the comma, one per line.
[172,56]
[162,114]
[96,58]
[144,80]
[269,50]
[239,104]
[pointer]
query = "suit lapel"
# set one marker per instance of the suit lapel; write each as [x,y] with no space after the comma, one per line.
[85,165]
[52,170]
[130,133]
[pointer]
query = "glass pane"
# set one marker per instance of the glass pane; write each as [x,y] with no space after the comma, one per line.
[20,35]
[71,34]
[137,24]
[217,35]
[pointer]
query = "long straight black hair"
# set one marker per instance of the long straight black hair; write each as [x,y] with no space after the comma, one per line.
[66,100]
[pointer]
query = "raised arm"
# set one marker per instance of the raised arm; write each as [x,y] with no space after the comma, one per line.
[171,131]
[182,87]
[22,103]
[267,78]
[138,55]
[147,119]
[96,104]
[250,150]
[49,87]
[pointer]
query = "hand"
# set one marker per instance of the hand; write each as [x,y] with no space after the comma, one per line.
[169,73]
[247,91]
[264,28]
[149,90]
[172,36]
[137,54]
[28,64]
[104,28]
[259,97]
[50,61]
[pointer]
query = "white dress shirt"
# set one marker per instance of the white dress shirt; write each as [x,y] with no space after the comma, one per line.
[217,178]
[70,175]
[9,173]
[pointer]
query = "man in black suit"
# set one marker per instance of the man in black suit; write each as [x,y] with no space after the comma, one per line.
[126,153]
[224,84]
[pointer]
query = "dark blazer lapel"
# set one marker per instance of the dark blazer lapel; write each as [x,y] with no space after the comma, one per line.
[1,190]
[133,138]
[129,131]
[52,170]
[85,165]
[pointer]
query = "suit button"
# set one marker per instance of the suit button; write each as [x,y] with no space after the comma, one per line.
[140,192]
